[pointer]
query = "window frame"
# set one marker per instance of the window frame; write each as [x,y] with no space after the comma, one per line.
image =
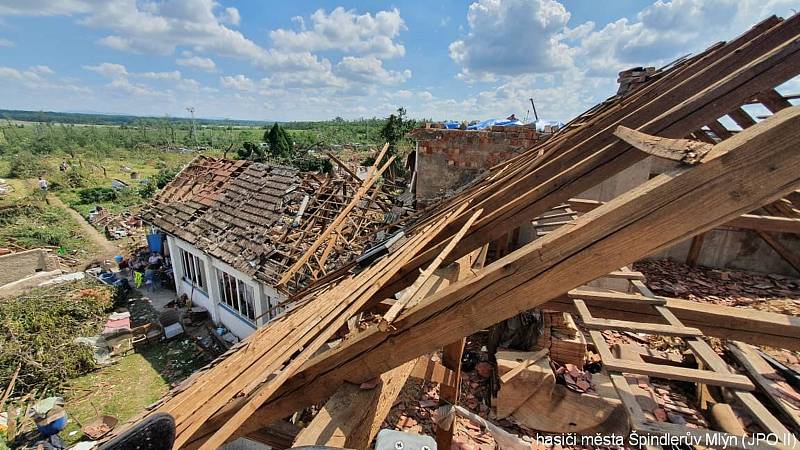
[237,295]
[194,270]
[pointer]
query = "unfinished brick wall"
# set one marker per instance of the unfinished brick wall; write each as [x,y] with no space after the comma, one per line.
[449,159]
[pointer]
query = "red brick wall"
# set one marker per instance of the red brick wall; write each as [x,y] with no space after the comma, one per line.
[447,159]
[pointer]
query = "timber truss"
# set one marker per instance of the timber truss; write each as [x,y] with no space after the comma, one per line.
[289,364]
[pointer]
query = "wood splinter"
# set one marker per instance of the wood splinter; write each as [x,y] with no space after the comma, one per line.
[686,151]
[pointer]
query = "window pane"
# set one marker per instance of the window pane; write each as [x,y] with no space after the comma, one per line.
[250,298]
[200,272]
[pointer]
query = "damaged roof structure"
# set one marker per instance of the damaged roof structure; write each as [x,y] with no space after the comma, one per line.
[261,218]
[292,362]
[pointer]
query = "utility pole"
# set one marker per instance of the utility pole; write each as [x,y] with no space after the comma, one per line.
[535,116]
[192,135]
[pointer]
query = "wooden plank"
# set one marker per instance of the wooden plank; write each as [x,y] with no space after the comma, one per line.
[763,374]
[757,163]
[611,363]
[353,416]
[787,254]
[588,295]
[773,101]
[745,221]
[427,369]
[508,376]
[684,150]
[726,322]
[412,294]
[695,249]
[719,129]
[448,394]
[594,323]
[625,275]
[679,373]
[741,118]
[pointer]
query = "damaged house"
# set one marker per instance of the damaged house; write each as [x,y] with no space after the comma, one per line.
[236,232]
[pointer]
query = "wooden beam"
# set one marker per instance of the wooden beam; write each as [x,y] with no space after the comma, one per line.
[684,150]
[585,294]
[595,323]
[726,322]
[612,364]
[775,224]
[448,394]
[279,435]
[759,371]
[758,165]
[353,416]
[741,118]
[773,101]
[785,252]
[429,370]
[695,249]
[412,294]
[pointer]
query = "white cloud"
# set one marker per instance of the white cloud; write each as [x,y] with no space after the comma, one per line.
[109,70]
[173,75]
[238,82]
[369,70]
[346,31]
[42,70]
[6,43]
[199,30]
[8,72]
[197,62]
[42,7]
[231,16]
[38,77]
[665,30]
[512,37]
[125,86]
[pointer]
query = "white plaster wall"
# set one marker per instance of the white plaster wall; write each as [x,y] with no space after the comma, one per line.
[266,296]
[198,297]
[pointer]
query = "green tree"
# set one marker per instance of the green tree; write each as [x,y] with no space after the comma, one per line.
[280,144]
[252,152]
[393,132]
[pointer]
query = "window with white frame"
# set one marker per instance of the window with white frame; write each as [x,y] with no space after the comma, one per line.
[238,295]
[194,270]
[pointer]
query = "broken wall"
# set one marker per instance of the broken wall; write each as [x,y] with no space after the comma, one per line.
[449,159]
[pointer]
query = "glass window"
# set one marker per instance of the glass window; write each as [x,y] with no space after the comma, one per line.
[193,270]
[238,295]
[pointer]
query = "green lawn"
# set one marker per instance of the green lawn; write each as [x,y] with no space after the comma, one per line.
[124,389]
[33,223]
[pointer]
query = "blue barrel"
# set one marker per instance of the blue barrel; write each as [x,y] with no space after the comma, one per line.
[52,425]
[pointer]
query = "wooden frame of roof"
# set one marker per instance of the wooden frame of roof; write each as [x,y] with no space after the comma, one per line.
[273,373]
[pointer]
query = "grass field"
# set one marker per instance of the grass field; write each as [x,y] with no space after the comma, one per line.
[124,389]
[28,222]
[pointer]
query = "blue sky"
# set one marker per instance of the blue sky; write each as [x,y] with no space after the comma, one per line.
[318,60]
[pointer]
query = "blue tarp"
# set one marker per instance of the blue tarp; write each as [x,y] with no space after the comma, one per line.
[488,123]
